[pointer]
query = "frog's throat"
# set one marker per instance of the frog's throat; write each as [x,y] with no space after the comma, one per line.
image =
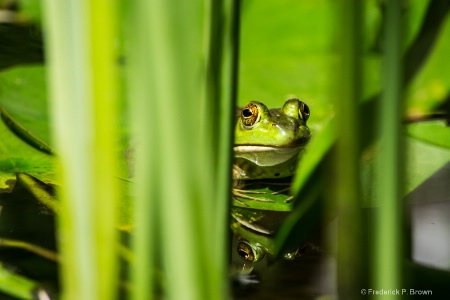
[266,155]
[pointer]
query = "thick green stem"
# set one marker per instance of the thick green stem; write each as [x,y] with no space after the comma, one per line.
[387,261]
[346,177]
[80,45]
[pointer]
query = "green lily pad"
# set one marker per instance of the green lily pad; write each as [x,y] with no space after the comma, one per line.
[16,156]
[23,95]
[264,195]
[423,160]
[436,133]
[24,108]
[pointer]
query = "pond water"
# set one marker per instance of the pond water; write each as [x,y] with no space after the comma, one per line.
[314,274]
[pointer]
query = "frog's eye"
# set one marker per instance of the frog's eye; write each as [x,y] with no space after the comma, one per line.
[250,115]
[249,253]
[303,111]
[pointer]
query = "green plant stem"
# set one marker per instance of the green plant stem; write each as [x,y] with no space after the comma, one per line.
[80,47]
[176,184]
[388,259]
[29,247]
[347,196]
[140,81]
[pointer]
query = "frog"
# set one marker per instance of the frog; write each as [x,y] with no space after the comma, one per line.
[268,142]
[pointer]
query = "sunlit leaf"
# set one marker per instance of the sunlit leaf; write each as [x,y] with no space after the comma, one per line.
[423,160]
[264,195]
[23,94]
[436,133]
[16,285]
[17,156]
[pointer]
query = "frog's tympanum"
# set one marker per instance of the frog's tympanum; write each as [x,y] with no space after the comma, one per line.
[269,141]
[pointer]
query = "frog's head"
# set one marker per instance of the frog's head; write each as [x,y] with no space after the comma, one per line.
[267,142]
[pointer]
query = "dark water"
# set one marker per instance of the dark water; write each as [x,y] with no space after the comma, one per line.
[307,277]
[430,220]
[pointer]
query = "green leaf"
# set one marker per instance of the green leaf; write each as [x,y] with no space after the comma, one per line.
[17,156]
[436,133]
[16,285]
[23,133]
[264,195]
[31,9]
[423,160]
[23,94]
[316,150]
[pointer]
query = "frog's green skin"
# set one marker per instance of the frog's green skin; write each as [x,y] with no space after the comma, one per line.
[268,142]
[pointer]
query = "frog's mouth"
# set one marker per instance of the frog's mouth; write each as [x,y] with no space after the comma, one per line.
[266,156]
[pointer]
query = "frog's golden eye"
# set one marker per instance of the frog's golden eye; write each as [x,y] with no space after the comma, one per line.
[249,253]
[303,111]
[250,115]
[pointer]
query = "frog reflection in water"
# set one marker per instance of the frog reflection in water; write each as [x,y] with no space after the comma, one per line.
[267,147]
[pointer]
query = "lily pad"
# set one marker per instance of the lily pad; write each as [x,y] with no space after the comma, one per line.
[17,156]
[436,133]
[423,160]
[264,194]
[23,99]
[23,95]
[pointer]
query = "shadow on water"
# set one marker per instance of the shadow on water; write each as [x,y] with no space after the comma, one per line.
[430,218]
[314,273]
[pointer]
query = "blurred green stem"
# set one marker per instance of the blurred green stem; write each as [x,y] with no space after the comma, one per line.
[388,250]
[81,55]
[182,128]
[351,270]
